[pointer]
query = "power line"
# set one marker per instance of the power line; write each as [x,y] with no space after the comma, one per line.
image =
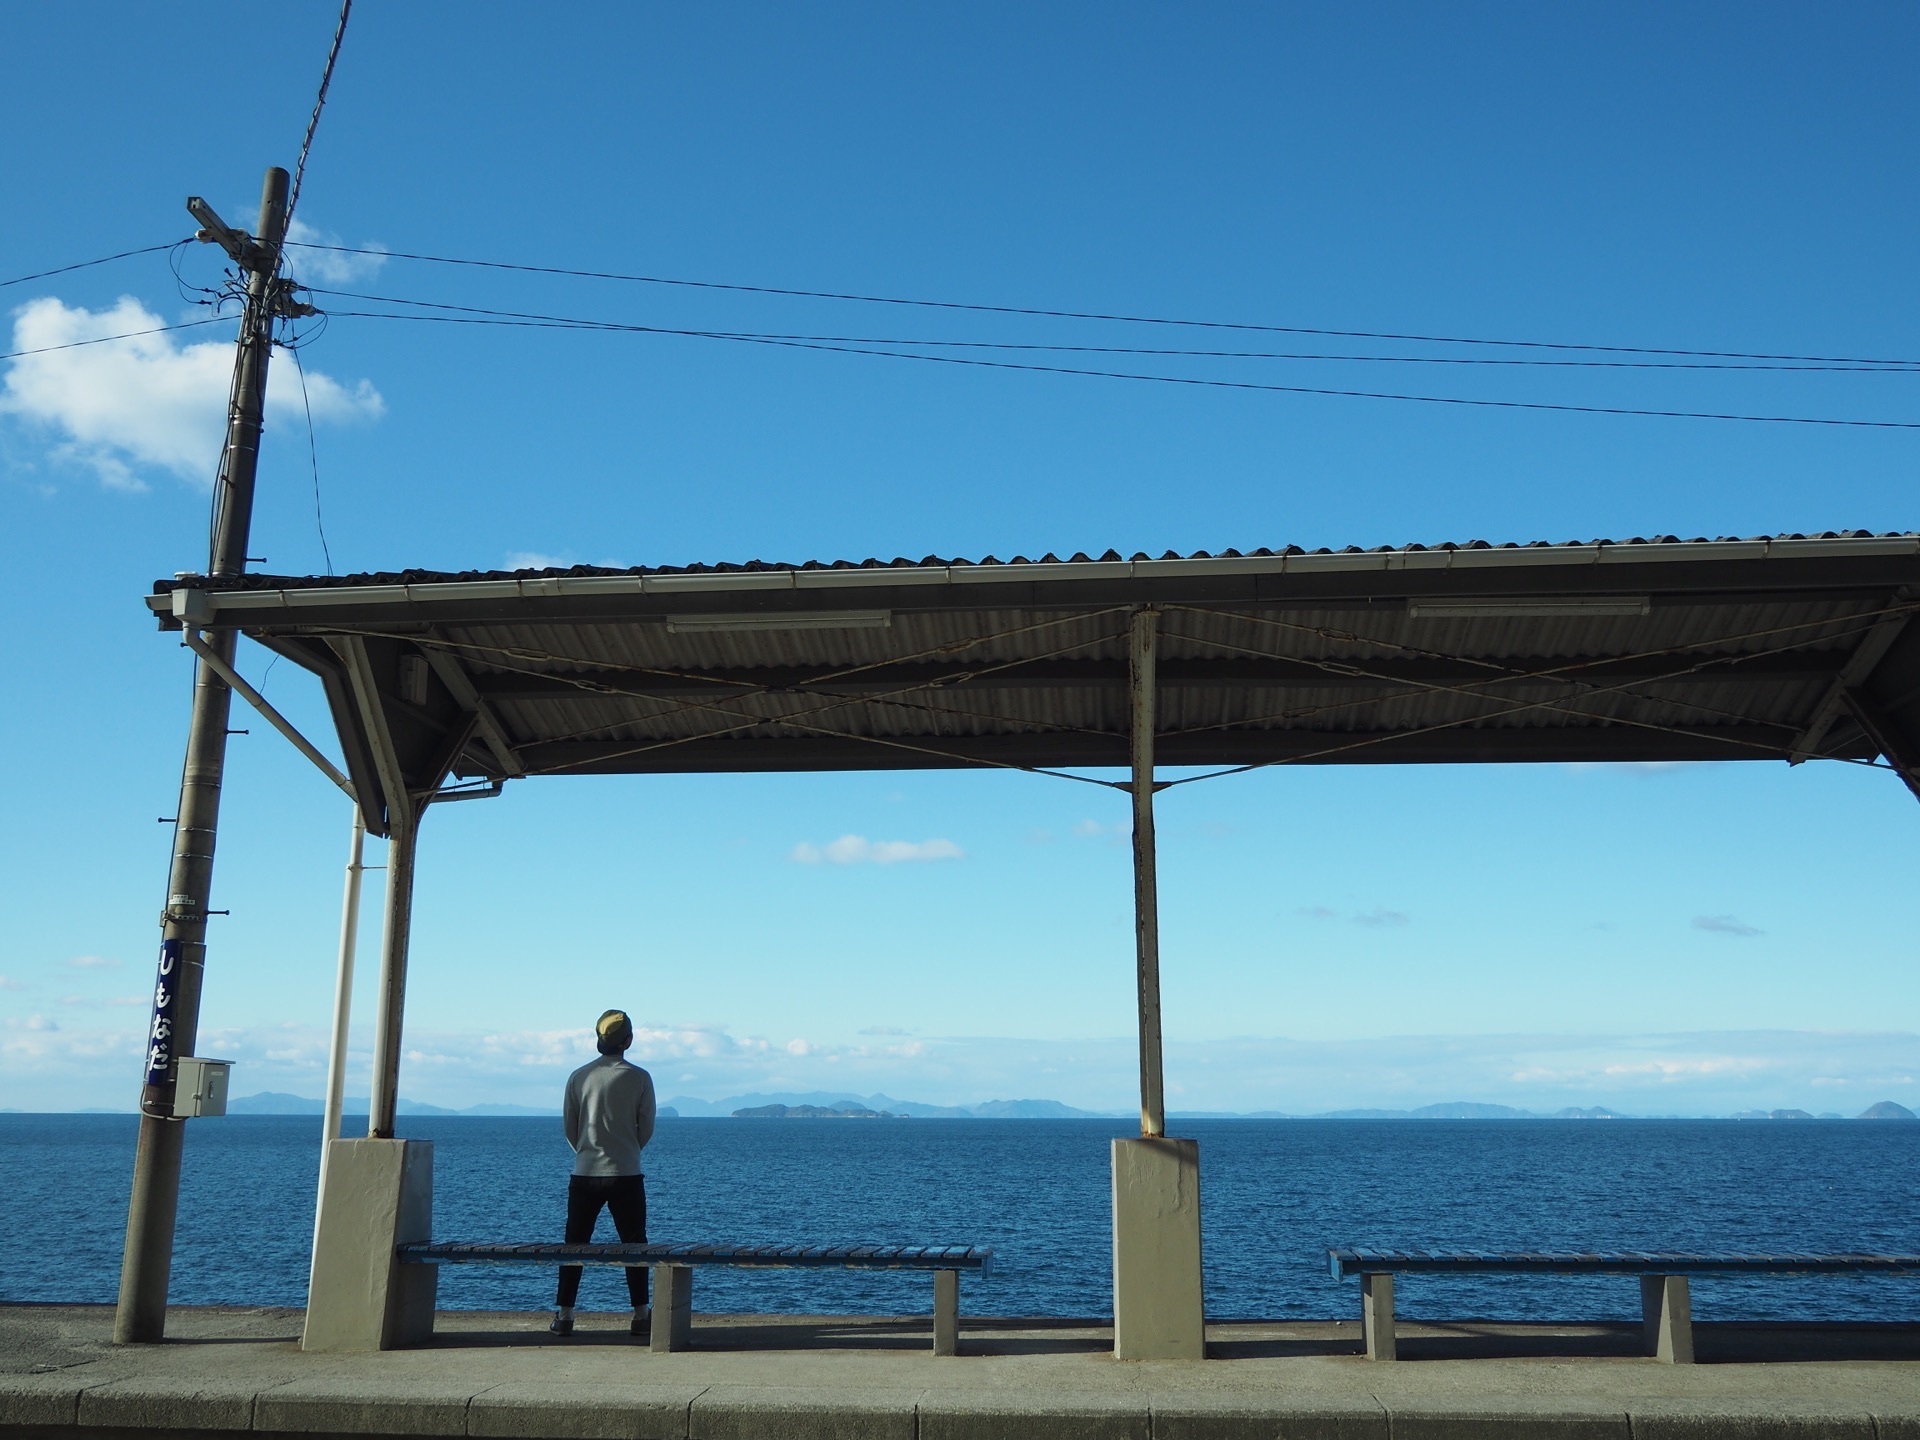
[105,339]
[1088,314]
[558,323]
[88,264]
[313,454]
[319,103]
[563,321]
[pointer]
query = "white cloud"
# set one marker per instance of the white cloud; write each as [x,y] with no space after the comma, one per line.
[147,401]
[858,850]
[114,1002]
[328,267]
[1726,925]
[1093,829]
[8,983]
[538,560]
[93,962]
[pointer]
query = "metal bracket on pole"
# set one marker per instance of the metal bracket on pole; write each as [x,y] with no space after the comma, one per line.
[195,642]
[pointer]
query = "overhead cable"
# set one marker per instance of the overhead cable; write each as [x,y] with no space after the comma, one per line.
[319,103]
[88,264]
[1086,314]
[575,322]
[1190,380]
[105,339]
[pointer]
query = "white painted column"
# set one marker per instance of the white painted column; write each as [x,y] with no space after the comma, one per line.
[342,1010]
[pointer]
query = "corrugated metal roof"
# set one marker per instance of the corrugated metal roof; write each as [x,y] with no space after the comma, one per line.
[934,562]
[1648,649]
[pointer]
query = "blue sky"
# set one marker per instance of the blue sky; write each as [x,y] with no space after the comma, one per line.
[1722,177]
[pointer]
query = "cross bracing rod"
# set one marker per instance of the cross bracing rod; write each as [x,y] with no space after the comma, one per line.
[197,643]
[587,684]
[1468,744]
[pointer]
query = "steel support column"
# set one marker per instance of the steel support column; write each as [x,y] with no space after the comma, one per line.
[1142,649]
[403,825]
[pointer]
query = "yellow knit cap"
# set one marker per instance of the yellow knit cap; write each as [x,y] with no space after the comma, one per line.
[612,1022]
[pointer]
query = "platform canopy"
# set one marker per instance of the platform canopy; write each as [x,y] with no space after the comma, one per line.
[1783,648]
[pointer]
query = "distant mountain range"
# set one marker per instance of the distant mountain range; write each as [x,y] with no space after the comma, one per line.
[842,1104]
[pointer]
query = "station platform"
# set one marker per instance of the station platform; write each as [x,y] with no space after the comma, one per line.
[224,1371]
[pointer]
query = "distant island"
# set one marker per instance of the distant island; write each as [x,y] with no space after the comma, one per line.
[841,1106]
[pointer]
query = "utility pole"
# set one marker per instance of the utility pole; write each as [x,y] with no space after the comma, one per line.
[148,1259]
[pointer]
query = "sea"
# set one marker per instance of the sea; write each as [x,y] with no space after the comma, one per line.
[1275,1195]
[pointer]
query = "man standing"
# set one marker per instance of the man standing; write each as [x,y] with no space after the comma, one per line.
[609,1119]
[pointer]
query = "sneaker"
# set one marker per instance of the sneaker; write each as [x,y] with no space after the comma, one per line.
[642,1323]
[561,1324]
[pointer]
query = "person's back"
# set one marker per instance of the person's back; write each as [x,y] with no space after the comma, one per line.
[608,1114]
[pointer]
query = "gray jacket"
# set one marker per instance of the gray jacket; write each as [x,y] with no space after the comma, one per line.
[609,1116]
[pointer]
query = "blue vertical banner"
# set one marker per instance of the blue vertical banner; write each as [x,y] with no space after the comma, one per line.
[166,988]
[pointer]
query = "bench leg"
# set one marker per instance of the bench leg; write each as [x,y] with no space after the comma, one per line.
[946,1312]
[1376,1316]
[672,1308]
[1666,1314]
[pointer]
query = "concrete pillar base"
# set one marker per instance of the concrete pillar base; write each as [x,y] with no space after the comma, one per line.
[1666,1311]
[379,1194]
[672,1308]
[1159,1309]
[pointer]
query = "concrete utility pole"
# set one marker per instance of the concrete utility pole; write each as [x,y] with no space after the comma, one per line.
[148,1260]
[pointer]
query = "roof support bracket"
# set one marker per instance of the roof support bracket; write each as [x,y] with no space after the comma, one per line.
[195,642]
[1866,655]
[373,719]
[1900,752]
[460,685]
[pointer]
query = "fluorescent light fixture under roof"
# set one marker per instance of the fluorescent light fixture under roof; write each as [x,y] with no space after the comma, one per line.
[746,624]
[1522,607]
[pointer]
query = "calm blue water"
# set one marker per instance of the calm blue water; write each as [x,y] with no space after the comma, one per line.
[1275,1194]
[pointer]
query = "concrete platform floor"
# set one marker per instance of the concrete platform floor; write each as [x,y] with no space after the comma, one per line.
[229,1370]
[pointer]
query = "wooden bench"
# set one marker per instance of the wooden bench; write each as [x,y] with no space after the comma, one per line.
[673,1267]
[1666,1307]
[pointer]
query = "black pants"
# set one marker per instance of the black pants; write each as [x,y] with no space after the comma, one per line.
[625,1197]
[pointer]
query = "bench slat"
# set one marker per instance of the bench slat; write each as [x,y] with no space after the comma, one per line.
[865,1257]
[1349,1262]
